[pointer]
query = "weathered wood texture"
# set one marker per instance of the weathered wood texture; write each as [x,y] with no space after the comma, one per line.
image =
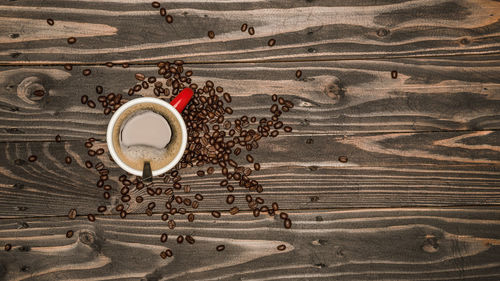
[345,97]
[370,244]
[299,172]
[304,30]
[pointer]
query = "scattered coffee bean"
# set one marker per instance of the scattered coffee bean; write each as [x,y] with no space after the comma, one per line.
[8,247]
[68,67]
[191,217]
[271,42]
[58,138]
[287,129]
[88,164]
[101,209]
[230,199]
[288,223]
[164,238]
[84,99]
[244,27]
[163,255]
[169,253]
[281,247]
[216,214]
[251,30]
[180,239]
[123,214]
[50,21]
[163,12]
[71,40]
[91,104]
[249,158]
[394,74]
[200,173]
[67,160]
[140,76]
[234,210]
[72,214]
[343,159]
[155,4]
[39,93]
[211,34]
[169,19]
[190,239]
[298,73]
[99,151]
[91,217]
[220,248]
[283,215]
[227,97]
[32,158]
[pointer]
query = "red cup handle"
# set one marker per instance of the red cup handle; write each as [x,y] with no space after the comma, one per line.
[182,99]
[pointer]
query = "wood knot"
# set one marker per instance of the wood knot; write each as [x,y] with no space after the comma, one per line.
[431,244]
[382,32]
[31,90]
[465,41]
[87,237]
[334,89]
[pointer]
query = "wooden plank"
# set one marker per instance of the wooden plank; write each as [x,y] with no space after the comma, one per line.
[298,172]
[368,244]
[133,31]
[345,97]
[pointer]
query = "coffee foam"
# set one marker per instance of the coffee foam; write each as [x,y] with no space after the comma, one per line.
[134,156]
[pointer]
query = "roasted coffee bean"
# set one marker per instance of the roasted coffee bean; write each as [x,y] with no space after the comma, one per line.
[191,217]
[163,12]
[119,207]
[109,64]
[171,224]
[343,159]
[298,73]
[106,195]
[72,214]
[91,152]
[71,40]
[88,144]
[67,160]
[155,4]
[234,210]
[86,72]
[125,65]
[210,170]
[169,19]
[180,239]
[164,216]
[249,158]
[200,173]
[123,214]
[220,248]
[8,247]
[101,209]
[32,158]
[39,93]
[251,30]
[227,97]
[190,239]
[163,255]
[287,129]
[126,198]
[99,151]
[198,197]
[125,190]
[230,199]
[84,99]
[285,108]
[394,74]
[230,188]
[107,110]
[50,21]
[178,199]
[151,205]
[244,27]
[88,164]
[223,183]
[91,104]
[216,214]
[281,247]
[275,206]
[228,110]
[137,88]
[283,215]
[274,133]
[248,198]
[271,42]
[150,191]
[289,104]
[91,217]
[287,223]
[187,201]
[100,183]
[259,200]
[256,166]
[68,67]
[69,233]
[158,191]
[149,212]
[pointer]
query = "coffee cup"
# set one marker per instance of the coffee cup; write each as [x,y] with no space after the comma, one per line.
[148,130]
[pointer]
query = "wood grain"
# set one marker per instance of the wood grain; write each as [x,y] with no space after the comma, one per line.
[298,172]
[345,97]
[304,30]
[369,244]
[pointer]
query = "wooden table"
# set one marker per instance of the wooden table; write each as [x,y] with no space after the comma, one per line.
[418,198]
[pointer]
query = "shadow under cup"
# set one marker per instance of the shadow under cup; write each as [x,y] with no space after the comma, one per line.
[134,157]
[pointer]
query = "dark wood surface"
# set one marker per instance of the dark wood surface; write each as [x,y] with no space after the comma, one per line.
[418,198]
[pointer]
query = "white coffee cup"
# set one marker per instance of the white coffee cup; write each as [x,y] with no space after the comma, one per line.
[176,106]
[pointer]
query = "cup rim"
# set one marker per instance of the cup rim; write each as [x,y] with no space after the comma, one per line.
[114,118]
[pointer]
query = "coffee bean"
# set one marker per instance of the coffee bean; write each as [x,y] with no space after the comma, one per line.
[91,152]
[271,42]
[149,212]
[171,224]
[150,191]
[191,217]
[244,27]
[283,215]
[91,104]
[169,19]
[394,74]
[84,99]
[169,253]
[164,237]
[190,239]
[107,110]
[86,72]
[274,133]
[216,214]
[100,183]
[220,248]
[163,12]
[298,73]
[227,97]
[234,210]
[109,64]
[287,223]
[32,158]
[164,216]
[281,100]
[72,214]
[289,104]
[88,164]
[281,247]
[163,255]
[71,40]
[67,160]
[125,190]
[230,188]
[125,65]
[211,34]
[99,151]
[287,129]
[69,234]
[198,197]
[343,159]
[68,67]
[251,30]
[259,200]
[275,206]
[278,125]
[101,209]
[223,183]
[8,247]
[50,21]
[126,198]
[230,199]
[155,4]
[200,173]
[180,239]
[285,108]
[123,214]
[106,195]
[91,217]
[119,207]
[151,205]
[126,182]
[249,158]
